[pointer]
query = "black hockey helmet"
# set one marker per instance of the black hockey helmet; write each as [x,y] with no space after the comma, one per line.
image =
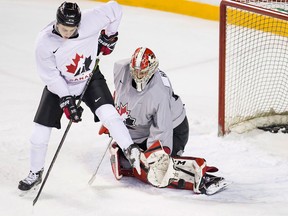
[68,14]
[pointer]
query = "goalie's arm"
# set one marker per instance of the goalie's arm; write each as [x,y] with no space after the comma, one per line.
[162,126]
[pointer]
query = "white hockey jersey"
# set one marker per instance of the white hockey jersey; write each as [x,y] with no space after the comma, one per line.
[64,65]
[152,113]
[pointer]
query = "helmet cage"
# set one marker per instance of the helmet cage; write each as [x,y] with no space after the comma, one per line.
[142,67]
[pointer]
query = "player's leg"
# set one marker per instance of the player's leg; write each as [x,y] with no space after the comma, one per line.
[48,115]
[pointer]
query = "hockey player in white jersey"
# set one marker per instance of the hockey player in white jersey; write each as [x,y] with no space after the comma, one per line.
[157,122]
[66,51]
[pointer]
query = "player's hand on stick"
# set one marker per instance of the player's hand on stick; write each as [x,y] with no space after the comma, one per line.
[70,108]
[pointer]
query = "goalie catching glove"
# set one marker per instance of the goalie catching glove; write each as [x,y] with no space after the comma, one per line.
[70,108]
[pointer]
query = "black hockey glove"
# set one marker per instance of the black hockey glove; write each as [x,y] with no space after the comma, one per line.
[106,44]
[70,108]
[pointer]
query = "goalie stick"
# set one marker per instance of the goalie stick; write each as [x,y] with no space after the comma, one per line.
[93,177]
[66,131]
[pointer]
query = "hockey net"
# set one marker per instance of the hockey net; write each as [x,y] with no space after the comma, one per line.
[253,64]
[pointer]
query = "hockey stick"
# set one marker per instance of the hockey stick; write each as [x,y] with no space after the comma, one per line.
[93,177]
[66,131]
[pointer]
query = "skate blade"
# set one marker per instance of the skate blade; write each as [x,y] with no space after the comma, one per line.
[216,188]
[28,192]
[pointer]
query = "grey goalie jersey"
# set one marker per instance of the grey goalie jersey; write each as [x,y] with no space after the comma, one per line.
[151,114]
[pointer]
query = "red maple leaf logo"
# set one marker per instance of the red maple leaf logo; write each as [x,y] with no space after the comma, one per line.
[125,114]
[73,67]
[122,109]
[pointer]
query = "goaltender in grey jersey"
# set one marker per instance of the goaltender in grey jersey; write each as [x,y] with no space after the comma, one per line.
[153,113]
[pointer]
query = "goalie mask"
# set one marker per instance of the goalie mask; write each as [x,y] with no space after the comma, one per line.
[142,67]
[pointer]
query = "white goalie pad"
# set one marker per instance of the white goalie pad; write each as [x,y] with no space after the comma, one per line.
[190,170]
[114,160]
[163,170]
[119,164]
[166,170]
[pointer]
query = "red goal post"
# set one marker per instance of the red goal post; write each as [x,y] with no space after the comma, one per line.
[253,64]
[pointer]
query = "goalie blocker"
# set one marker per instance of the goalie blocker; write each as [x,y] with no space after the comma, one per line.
[161,170]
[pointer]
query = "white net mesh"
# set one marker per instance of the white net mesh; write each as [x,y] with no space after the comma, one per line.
[256,66]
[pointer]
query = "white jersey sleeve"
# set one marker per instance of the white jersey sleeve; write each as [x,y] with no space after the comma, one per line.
[106,16]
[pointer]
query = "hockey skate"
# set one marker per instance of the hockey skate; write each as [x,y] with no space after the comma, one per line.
[30,183]
[212,184]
